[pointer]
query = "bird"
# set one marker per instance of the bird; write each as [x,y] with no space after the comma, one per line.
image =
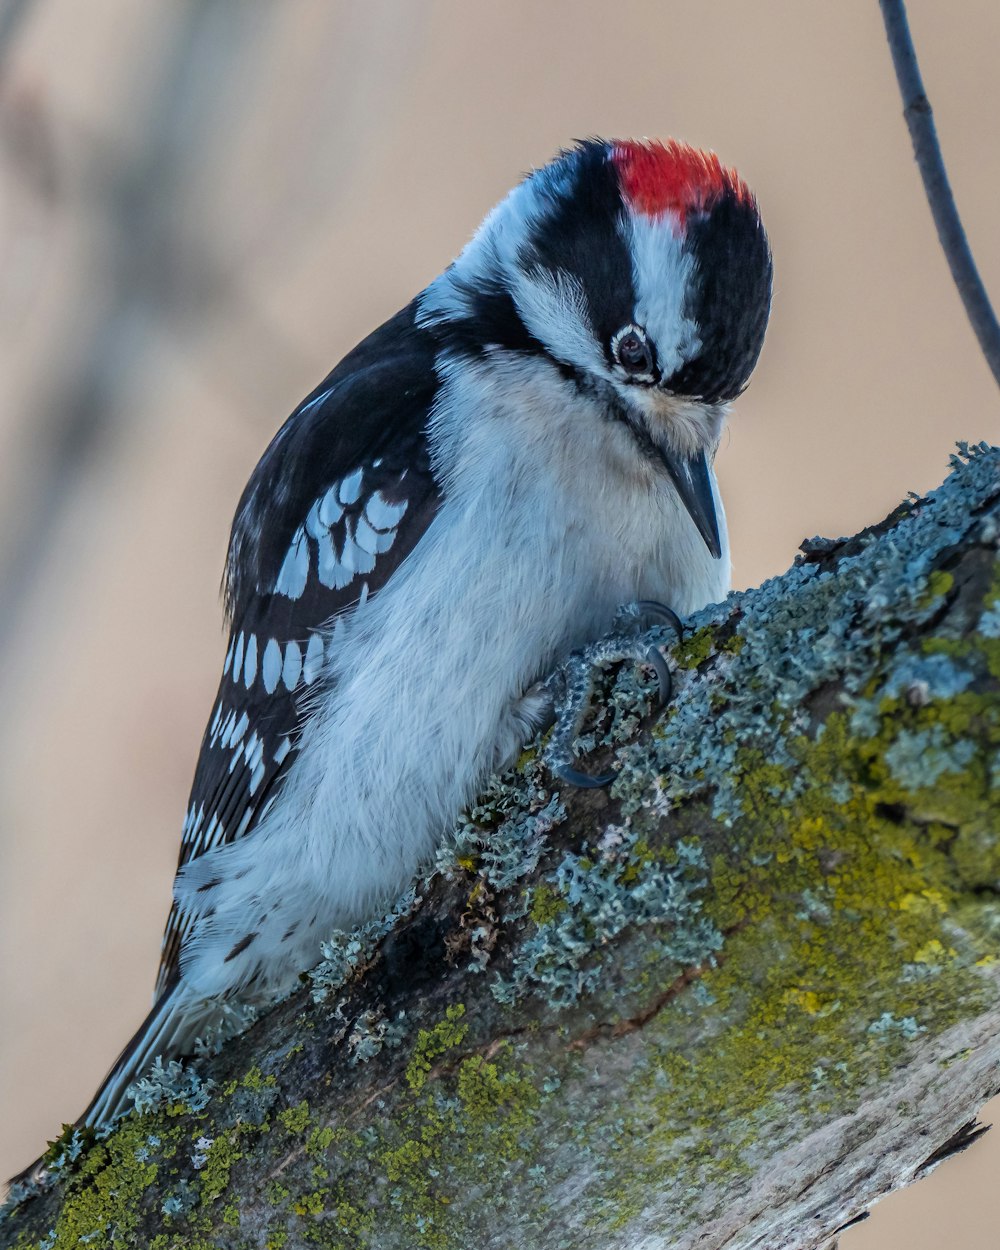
[468,497]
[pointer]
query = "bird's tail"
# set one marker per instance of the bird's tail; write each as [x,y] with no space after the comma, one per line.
[170,1030]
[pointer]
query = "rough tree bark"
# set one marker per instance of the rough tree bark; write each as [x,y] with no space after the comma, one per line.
[728,1003]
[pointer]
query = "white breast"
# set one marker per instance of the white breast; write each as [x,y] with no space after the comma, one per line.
[550,522]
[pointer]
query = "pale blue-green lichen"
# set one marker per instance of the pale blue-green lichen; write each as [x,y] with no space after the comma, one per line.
[594,896]
[371,1032]
[887,1025]
[921,757]
[344,952]
[504,834]
[170,1083]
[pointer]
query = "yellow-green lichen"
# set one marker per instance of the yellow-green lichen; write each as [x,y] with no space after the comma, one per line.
[105,1197]
[695,648]
[295,1119]
[431,1044]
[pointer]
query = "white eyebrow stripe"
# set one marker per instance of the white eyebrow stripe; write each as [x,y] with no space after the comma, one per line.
[663,273]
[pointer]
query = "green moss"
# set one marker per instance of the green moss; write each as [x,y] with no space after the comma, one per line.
[452,1132]
[277,1193]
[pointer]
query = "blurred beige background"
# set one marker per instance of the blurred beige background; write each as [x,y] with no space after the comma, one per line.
[202,206]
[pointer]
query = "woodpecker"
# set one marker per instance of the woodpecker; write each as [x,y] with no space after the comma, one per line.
[470,495]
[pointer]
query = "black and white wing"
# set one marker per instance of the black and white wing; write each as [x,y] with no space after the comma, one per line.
[339,499]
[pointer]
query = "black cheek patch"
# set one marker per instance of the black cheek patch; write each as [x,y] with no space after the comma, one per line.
[730,302]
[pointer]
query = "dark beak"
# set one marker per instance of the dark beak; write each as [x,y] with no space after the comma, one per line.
[693,481]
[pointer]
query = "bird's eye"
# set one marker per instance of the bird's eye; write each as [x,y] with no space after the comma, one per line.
[631,349]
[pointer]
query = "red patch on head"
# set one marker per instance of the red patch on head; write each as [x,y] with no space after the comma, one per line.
[672,177]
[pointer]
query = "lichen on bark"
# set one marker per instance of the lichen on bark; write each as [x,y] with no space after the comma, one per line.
[717,1005]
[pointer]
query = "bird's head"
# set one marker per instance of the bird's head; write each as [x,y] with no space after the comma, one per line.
[642,271]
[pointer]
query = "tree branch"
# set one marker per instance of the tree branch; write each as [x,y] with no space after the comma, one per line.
[927,150]
[726,1005]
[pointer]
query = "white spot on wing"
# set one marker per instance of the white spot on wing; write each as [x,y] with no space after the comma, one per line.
[229,659]
[253,755]
[314,526]
[270,667]
[314,659]
[239,729]
[226,729]
[365,536]
[194,823]
[256,777]
[292,668]
[330,511]
[384,540]
[215,831]
[250,664]
[382,514]
[284,746]
[238,657]
[349,490]
[333,573]
[355,559]
[295,569]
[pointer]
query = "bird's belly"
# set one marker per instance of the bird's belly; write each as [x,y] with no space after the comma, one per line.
[420,705]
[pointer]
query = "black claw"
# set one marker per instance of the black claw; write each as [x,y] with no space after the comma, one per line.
[660,612]
[582,780]
[666,682]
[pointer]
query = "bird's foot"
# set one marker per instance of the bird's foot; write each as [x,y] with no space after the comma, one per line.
[571,686]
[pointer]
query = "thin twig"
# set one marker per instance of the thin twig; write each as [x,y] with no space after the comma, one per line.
[927,150]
